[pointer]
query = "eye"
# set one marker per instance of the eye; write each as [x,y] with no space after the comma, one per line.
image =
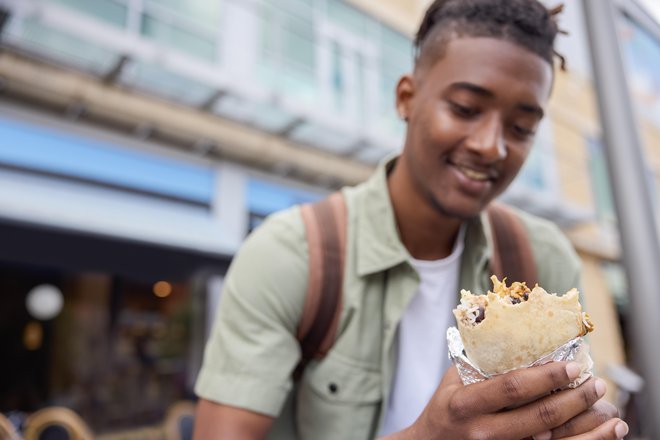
[522,132]
[463,111]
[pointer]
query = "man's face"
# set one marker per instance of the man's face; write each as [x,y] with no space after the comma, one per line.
[472,116]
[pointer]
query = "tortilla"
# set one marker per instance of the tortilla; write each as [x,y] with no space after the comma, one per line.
[514,326]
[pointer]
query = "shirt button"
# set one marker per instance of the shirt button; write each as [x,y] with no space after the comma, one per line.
[333,388]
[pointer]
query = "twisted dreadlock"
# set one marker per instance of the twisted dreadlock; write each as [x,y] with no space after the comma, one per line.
[524,22]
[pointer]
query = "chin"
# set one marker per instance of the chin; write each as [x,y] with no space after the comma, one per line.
[461,210]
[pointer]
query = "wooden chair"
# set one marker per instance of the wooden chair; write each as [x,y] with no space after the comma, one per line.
[56,423]
[7,430]
[179,421]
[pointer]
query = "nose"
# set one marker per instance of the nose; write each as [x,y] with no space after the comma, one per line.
[487,139]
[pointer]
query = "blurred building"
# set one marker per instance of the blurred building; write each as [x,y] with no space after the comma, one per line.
[141,140]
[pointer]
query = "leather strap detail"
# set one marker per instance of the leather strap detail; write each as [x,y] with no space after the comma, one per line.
[325,227]
[512,252]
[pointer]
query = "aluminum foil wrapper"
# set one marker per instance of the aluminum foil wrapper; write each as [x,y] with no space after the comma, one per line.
[576,350]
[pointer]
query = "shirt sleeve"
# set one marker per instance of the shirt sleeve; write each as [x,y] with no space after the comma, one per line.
[252,349]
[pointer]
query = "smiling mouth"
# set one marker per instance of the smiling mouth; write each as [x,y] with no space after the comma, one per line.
[474,174]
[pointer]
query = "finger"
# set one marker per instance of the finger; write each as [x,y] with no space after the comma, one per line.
[550,412]
[611,430]
[598,414]
[514,388]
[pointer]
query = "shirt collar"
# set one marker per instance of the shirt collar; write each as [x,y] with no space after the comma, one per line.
[379,247]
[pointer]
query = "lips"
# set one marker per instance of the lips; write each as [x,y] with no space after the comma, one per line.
[473,174]
[472,180]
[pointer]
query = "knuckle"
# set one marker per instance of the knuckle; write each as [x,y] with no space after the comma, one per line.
[549,413]
[513,387]
[458,408]
[557,377]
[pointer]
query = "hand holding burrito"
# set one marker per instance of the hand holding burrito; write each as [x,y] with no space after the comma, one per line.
[516,405]
[514,326]
[520,403]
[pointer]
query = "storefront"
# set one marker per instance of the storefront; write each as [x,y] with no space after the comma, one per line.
[109,254]
[112,255]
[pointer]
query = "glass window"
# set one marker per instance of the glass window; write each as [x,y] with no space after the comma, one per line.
[615,277]
[362,98]
[532,175]
[396,49]
[158,79]
[538,172]
[536,187]
[395,60]
[288,52]
[178,38]
[110,11]
[298,45]
[204,12]
[299,9]
[642,56]
[118,352]
[388,119]
[65,47]
[338,81]
[600,185]
[348,18]
[600,182]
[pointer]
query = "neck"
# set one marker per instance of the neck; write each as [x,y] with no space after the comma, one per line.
[426,233]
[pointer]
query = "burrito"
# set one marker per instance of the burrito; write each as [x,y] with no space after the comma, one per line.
[513,326]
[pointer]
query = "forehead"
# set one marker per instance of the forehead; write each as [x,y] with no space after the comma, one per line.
[502,67]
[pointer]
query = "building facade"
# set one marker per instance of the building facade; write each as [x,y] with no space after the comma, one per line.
[143,139]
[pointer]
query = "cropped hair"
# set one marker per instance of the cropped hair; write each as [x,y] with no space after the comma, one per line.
[527,23]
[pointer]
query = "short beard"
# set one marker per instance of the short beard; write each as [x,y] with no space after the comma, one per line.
[445,212]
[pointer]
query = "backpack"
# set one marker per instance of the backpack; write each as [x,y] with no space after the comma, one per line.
[325,230]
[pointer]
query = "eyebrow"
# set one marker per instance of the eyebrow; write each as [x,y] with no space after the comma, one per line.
[527,108]
[472,88]
[533,109]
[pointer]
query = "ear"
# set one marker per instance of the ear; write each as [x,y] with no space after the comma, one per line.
[405,91]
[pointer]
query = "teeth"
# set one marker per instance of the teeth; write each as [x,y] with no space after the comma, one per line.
[472,174]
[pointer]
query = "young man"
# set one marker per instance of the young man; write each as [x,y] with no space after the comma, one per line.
[481,82]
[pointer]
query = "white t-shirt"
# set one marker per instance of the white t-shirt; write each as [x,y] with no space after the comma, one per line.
[422,349]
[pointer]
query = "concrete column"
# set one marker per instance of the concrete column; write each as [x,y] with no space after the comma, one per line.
[229,206]
[632,197]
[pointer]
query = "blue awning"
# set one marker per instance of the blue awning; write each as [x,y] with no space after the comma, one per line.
[68,155]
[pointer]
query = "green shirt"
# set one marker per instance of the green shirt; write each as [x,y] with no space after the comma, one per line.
[253,350]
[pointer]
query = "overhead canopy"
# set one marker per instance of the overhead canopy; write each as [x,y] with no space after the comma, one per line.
[71,182]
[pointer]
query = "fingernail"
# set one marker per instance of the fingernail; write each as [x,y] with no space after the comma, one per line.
[601,387]
[621,429]
[573,371]
[545,435]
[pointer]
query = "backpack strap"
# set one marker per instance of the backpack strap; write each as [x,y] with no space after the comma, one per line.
[512,251]
[325,228]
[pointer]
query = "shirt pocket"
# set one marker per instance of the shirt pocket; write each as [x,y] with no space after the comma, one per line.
[338,398]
